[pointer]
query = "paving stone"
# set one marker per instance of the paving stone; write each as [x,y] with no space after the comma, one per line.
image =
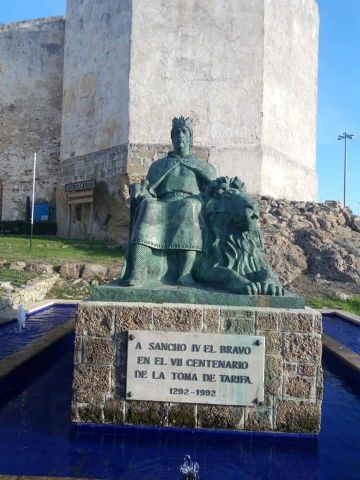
[296,417]
[258,419]
[178,319]
[146,413]
[306,369]
[93,379]
[302,348]
[114,411]
[298,386]
[182,415]
[132,318]
[220,416]
[267,320]
[273,375]
[95,320]
[237,321]
[99,351]
[297,322]
[211,322]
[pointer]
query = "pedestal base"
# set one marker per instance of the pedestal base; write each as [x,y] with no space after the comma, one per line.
[293,374]
[198,296]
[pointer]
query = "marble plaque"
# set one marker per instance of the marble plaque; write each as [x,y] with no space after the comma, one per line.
[195,367]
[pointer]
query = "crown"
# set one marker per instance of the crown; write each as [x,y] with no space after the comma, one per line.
[182,122]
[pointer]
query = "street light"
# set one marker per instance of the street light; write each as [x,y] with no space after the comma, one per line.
[345,136]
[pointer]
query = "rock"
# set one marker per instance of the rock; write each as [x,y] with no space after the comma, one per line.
[287,259]
[336,259]
[93,271]
[312,219]
[325,225]
[70,270]
[268,218]
[6,286]
[43,268]
[342,296]
[341,220]
[347,213]
[333,204]
[355,224]
[17,266]
[286,215]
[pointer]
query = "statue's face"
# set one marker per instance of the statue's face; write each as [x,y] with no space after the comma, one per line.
[181,138]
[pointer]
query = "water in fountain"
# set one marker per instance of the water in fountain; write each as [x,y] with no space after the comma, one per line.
[189,469]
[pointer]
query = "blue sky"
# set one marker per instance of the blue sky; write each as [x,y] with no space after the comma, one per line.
[339,98]
[338,92]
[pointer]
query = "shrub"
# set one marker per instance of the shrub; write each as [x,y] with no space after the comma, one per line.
[20,227]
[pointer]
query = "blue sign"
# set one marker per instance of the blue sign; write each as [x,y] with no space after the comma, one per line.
[41,212]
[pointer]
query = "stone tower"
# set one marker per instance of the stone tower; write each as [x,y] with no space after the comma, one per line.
[245,71]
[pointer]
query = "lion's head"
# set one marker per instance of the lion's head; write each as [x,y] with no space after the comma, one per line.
[233,234]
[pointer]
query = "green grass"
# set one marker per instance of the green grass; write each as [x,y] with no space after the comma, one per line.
[352,305]
[56,251]
[16,278]
[67,291]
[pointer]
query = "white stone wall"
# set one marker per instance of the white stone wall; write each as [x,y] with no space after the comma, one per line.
[96,76]
[200,58]
[290,99]
[31,72]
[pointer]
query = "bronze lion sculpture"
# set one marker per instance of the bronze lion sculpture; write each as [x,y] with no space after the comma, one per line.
[233,257]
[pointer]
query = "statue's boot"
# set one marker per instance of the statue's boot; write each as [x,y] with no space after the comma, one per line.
[139,257]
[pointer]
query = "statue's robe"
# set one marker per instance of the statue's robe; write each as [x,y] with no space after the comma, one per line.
[170,218]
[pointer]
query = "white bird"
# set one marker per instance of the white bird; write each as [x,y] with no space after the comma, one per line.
[21,316]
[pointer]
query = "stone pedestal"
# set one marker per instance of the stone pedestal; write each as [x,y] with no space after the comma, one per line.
[293,374]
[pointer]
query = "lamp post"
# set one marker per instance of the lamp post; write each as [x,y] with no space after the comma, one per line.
[345,136]
[33,202]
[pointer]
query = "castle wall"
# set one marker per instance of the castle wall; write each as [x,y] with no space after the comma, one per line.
[202,59]
[31,71]
[290,99]
[96,76]
[245,71]
[95,125]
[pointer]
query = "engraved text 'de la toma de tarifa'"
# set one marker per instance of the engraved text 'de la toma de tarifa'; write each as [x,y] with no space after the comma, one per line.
[195,368]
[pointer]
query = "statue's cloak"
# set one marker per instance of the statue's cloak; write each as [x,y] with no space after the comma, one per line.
[171,224]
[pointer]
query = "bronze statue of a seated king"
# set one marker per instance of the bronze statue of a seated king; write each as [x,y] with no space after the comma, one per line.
[166,208]
[192,229]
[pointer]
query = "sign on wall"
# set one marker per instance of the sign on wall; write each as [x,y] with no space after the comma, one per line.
[195,367]
[78,186]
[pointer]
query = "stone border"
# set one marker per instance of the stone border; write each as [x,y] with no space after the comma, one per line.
[38,307]
[351,317]
[32,477]
[15,360]
[340,351]
[343,353]
[35,290]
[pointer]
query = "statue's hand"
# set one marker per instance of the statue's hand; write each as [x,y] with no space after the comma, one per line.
[139,191]
[144,192]
[272,289]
